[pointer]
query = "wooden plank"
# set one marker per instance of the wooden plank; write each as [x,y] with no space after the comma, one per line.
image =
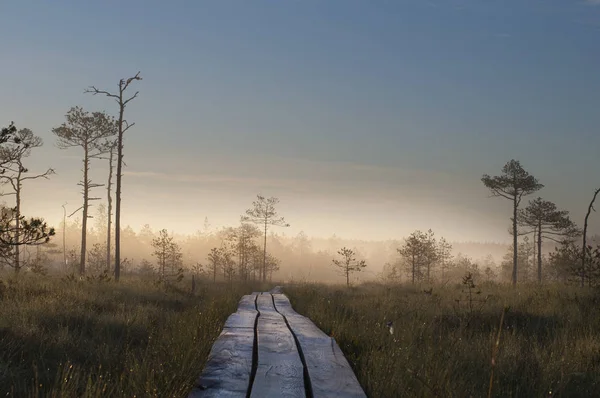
[245,315]
[227,371]
[280,371]
[329,371]
[241,319]
[247,303]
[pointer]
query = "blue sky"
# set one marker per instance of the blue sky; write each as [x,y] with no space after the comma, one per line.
[367,118]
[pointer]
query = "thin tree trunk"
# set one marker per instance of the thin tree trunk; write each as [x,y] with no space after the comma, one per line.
[65,237]
[86,189]
[539,250]
[123,84]
[18,221]
[515,242]
[109,196]
[534,260]
[264,266]
[347,276]
[584,247]
[118,193]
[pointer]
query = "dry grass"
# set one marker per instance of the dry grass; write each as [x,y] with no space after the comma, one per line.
[101,339]
[549,345]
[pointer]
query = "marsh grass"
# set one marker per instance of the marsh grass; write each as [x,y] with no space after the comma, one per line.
[549,343]
[68,338]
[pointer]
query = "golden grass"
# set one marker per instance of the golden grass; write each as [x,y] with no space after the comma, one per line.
[96,339]
[101,339]
[549,345]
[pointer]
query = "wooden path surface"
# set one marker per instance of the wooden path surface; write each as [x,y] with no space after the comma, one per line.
[266,350]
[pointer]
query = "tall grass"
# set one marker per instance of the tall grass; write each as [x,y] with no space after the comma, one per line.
[549,343]
[63,338]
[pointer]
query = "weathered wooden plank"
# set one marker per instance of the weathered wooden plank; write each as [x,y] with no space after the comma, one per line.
[227,371]
[241,319]
[247,303]
[329,371]
[245,315]
[279,372]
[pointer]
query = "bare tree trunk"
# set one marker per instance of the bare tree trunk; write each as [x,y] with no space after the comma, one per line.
[109,199]
[16,183]
[539,252]
[86,192]
[534,259]
[118,193]
[584,247]
[18,220]
[515,242]
[123,84]
[264,265]
[65,236]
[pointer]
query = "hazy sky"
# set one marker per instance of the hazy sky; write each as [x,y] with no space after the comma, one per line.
[367,118]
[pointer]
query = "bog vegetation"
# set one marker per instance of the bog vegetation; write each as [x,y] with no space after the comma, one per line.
[63,337]
[404,341]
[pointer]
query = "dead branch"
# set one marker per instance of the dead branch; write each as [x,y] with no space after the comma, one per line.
[127,125]
[45,175]
[132,97]
[75,211]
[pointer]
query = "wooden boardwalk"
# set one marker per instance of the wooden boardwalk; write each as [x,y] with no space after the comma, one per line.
[266,350]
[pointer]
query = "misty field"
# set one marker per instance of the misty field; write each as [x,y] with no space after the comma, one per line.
[67,338]
[549,345]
